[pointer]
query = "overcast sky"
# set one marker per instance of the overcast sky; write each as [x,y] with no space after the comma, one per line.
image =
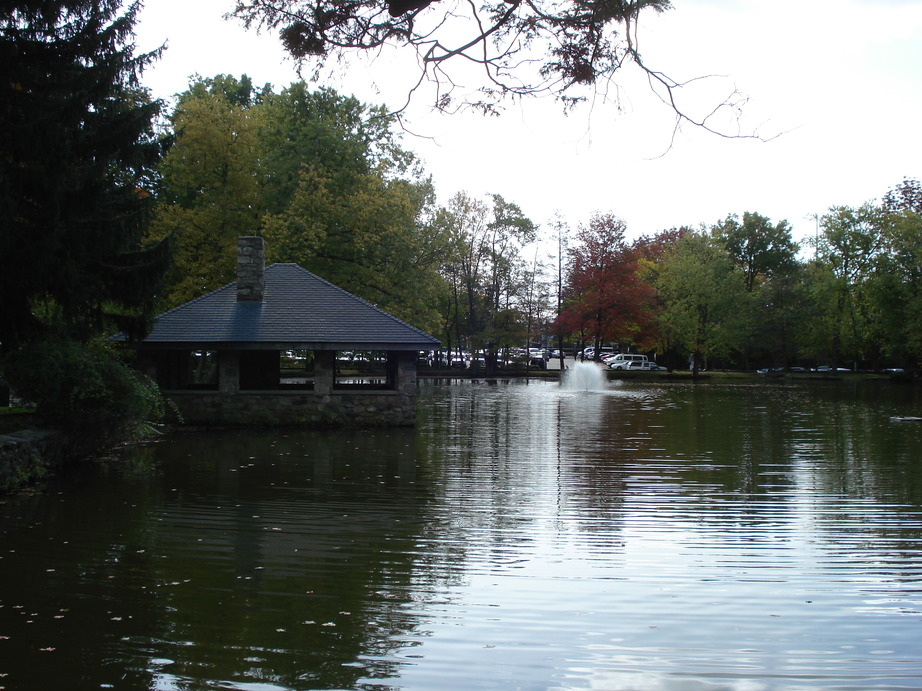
[839,82]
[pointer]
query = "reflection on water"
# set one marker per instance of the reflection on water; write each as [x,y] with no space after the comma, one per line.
[524,536]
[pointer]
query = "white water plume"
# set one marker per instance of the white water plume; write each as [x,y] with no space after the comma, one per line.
[584,376]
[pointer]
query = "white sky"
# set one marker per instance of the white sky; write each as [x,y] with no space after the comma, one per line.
[841,80]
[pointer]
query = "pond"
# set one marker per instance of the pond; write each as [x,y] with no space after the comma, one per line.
[664,536]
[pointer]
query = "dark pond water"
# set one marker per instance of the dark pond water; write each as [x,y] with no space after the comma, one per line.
[649,537]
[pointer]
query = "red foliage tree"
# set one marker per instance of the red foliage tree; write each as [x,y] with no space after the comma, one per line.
[606,299]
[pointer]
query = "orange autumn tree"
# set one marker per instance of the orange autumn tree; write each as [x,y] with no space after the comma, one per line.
[605,299]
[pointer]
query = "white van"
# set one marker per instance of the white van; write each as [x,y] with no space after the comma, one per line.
[623,360]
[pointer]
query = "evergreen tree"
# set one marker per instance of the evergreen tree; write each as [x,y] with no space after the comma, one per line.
[77,151]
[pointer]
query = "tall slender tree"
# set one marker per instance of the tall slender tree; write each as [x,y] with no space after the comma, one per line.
[850,241]
[76,171]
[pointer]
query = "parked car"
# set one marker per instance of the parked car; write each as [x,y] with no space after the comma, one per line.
[621,360]
[539,353]
[589,353]
[643,366]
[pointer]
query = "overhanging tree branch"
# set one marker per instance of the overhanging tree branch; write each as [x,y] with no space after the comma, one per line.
[564,48]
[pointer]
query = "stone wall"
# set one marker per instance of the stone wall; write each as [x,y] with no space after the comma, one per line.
[325,404]
[354,408]
[29,455]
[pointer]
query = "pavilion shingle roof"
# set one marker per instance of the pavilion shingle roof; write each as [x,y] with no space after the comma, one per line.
[299,310]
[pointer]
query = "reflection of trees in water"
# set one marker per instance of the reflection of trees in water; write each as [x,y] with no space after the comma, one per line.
[313,560]
[732,459]
[290,557]
[511,461]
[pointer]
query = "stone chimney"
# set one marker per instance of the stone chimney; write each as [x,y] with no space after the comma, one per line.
[251,269]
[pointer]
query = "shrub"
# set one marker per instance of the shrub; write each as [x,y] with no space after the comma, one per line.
[85,389]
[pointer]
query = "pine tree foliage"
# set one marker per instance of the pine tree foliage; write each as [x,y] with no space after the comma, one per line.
[77,155]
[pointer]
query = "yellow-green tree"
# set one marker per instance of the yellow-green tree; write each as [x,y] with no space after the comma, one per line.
[210,187]
[321,176]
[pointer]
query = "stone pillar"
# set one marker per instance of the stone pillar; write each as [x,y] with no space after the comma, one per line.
[406,373]
[251,269]
[229,372]
[324,371]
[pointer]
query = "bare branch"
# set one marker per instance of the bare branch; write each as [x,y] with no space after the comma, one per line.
[565,48]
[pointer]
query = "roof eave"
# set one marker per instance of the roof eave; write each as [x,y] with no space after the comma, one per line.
[290,345]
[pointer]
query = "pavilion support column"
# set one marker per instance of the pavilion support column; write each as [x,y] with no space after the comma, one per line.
[229,372]
[324,371]
[402,371]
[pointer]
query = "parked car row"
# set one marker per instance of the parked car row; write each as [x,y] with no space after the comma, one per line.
[630,361]
[535,357]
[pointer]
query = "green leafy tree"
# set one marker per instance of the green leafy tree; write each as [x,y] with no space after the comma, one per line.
[895,286]
[764,254]
[486,273]
[850,241]
[370,239]
[210,193]
[759,248]
[704,301]
[76,172]
[321,176]
[334,137]
[345,200]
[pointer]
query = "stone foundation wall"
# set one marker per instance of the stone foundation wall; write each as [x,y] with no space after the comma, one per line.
[326,404]
[28,456]
[352,409]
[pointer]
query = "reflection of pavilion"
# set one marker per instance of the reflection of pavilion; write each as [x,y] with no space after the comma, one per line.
[303,563]
[228,356]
